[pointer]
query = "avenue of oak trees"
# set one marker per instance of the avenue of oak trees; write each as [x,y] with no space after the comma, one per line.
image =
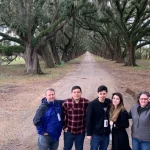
[61,30]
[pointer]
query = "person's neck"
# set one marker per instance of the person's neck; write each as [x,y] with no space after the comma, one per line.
[101,100]
[76,100]
[144,106]
[115,107]
[50,101]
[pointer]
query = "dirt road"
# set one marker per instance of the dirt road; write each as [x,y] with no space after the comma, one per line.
[19,103]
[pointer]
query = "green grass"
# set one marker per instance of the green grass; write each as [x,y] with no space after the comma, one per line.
[142,64]
[17,61]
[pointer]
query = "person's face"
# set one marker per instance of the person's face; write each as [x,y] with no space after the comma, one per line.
[76,94]
[143,100]
[116,100]
[50,96]
[102,95]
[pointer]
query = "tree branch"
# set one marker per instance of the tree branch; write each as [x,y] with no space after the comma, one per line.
[9,38]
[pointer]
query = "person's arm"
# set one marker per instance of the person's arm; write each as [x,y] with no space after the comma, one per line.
[61,102]
[129,115]
[123,120]
[38,120]
[89,121]
[64,114]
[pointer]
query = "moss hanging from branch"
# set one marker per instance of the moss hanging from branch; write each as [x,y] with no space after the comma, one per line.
[49,30]
[10,50]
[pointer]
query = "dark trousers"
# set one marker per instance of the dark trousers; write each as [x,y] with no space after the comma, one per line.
[70,138]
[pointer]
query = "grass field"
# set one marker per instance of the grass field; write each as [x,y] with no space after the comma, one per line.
[14,72]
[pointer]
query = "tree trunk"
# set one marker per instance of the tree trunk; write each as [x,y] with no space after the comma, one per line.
[48,56]
[77,53]
[118,57]
[31,60]
[64,56]
[130,54]
[54,50]
[69,57]
[73,54]
[100,53]
[117,52]
[104,52]
[65,52]
[110,54]
[140,54]
[149,54]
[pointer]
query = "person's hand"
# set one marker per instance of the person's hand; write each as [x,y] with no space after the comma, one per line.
[45,133]
[111,123]
[89,137]
[66,129]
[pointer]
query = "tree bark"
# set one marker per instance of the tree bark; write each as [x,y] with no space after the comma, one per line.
[130,48]
[64,56]
[48,55]
[54,50]
[31,60]
[73,54]
[117,52]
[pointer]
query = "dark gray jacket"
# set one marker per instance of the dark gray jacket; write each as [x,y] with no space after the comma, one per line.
[140,123]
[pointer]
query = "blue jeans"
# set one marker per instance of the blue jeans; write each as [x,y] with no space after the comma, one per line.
[99,142]
[70,138]
[45,142]
[140,145]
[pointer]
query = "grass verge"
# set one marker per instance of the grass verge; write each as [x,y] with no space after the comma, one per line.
[13,73]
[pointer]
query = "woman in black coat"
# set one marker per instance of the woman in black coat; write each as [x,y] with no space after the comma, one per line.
[119,122]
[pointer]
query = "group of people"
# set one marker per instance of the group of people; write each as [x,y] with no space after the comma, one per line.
[96,119]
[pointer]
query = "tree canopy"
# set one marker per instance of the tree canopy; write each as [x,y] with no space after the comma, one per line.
[64,29]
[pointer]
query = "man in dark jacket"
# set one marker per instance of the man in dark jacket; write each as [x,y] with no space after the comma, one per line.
[48,121]
[97,122]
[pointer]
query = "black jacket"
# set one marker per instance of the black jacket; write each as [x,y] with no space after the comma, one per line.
[120,139]
[96,116]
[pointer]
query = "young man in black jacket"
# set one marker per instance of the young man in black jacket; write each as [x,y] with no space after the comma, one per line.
[97,120]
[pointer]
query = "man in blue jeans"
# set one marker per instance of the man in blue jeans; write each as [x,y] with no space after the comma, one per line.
[48,121]
[97,120]
[74,111]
